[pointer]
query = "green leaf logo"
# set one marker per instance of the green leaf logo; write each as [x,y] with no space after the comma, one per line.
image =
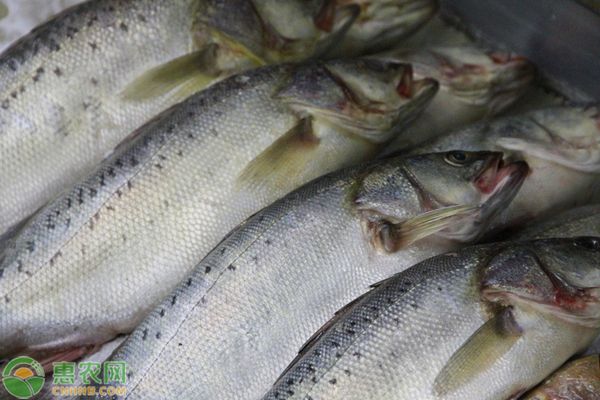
[23,377]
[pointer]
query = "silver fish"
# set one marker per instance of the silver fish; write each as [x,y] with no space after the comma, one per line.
[137,225]
[473,85]
[561,145]
[373,31]
[578,380]
[239,318]
[79,84]
[484,323]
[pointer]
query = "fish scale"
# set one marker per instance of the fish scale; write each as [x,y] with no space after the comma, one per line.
[399,340]
[241,315]
[93,262]
[58,119]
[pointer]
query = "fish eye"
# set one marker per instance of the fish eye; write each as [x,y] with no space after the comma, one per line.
[590,243]
[457,158]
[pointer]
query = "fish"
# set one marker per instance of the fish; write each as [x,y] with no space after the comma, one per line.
[561,145]
[148,214]
[373,32]
[238,319]
[577,380]
[580,221]
[130,60]
[487,322]
[474,84]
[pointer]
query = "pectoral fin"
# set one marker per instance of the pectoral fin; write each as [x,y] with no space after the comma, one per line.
[484,348]
[391,237]
[194,71]
[285,159]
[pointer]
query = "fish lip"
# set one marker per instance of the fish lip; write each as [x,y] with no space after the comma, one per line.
[501,182]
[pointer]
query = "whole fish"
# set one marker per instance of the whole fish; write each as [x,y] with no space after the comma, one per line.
[240,317]
[561,145]
[79,84]
[578,380]
[473,85]
[484,323]
[138,224]
[368,34]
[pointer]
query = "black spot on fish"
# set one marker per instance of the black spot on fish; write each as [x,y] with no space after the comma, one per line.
[111,172]
[440,288]
[174,300]
[268,242]
[231,267]
[414,305]
[141,18]
[158,335]
[7,299]
[144,334]
[19,266]
[189,282]
[93,192]
[166,203]
[93,45]
[124,27]
[119,163]
[347,372]
[129,184]
[57,71]
[207,270]
[5,104]
[134,162]
[333,381]
[14,95]
[13,64]
[357,355]
[110,208]
[223,250]
[38,73]
[80,196]
[162,157]
[190,136]
[30,246]
[180,153]
[162,312]
[94,81]
[158,165]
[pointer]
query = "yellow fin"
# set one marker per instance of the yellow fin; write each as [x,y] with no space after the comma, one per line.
[286,158]
[485,347]
[195,71]
[393,237]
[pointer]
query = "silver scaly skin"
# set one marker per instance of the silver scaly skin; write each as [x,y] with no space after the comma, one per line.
[132,229]
[484,323]
[473,85]
[561,145]
[230,327]
[578,380]
[76,86]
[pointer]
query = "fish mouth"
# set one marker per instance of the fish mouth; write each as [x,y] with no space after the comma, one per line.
[499,182]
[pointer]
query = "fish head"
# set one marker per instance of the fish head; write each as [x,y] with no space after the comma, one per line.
[369,98]
[489,80]
[560,277]
[480,179]
[381,23]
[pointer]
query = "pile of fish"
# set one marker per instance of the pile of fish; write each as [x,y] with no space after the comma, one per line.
[282,199]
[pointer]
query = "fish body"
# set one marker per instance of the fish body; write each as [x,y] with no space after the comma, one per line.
[138,224]
[473,85]
[561,145]
[578,380]
[79,84]
[468,325]
[239,318]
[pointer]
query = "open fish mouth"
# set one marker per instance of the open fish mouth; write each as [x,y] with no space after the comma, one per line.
[498,182]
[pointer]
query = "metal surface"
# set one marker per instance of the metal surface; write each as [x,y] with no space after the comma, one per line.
[561,37]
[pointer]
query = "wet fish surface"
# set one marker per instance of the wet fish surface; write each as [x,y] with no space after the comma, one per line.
[561,145]
[239,318]
[135,227]
[78,85]
[473,85]
[578,380]
[483,323]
